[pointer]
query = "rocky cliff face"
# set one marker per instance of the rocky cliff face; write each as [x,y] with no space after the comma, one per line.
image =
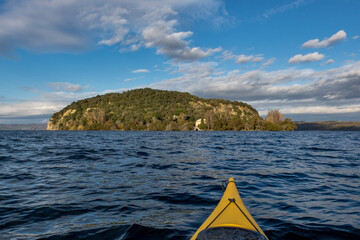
[63,120]
[51,126]
[148,109]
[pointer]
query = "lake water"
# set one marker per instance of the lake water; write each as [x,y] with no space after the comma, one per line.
[163,185]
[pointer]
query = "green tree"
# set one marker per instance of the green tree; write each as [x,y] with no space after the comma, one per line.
[274,116]
[288,125]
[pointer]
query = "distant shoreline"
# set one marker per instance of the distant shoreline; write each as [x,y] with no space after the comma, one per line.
[31,126]
[328,126]
[302,126]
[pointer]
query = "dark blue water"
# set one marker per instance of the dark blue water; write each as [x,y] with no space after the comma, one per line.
[163,185]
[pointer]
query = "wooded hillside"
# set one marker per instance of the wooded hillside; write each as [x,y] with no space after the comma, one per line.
[148,109]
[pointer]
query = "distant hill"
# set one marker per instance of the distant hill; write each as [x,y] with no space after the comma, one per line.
[149,109]
[328,126]
[41,126]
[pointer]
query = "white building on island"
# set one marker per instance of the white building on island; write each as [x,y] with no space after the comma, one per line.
[198,122]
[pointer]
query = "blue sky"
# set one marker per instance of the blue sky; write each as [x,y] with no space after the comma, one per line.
[300,56]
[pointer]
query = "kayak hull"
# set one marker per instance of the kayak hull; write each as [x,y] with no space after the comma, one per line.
[230,217]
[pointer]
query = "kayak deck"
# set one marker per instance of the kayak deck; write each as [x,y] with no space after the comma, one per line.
[230,219]
[233,233]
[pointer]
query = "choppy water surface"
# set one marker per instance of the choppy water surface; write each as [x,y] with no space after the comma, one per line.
[163,185]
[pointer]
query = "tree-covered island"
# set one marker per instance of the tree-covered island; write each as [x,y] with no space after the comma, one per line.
[154,110]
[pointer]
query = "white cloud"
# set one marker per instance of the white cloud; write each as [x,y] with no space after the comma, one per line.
[327,42]
[72,26]
[66,86]
[311,57]
[282,8]
[258,59]
[140,71]
[269,62]
[330,61]
[227,55]
[323,109]
[356,37]
[242,58]
[162,36]
[134,47]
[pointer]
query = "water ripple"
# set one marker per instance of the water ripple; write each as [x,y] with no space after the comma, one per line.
[163,185]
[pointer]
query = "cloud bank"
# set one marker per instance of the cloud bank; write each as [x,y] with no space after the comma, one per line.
[40,108]
[291,90]
[73,26]
[294,92]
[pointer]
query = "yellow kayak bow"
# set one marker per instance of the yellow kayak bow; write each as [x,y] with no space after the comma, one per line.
[230,220]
